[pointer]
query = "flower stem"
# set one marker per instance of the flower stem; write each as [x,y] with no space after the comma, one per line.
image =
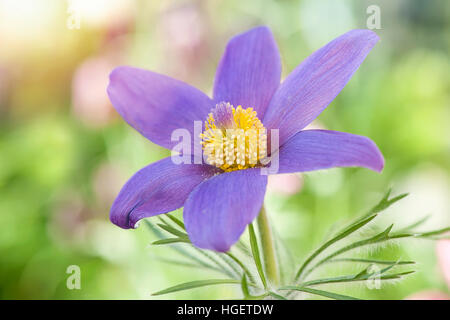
[267,245]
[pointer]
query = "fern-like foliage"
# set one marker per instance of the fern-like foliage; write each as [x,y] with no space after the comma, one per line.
[243,264]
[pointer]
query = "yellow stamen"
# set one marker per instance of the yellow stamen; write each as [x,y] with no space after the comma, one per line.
[234,138]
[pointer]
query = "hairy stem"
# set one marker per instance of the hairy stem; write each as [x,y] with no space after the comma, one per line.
[268,249]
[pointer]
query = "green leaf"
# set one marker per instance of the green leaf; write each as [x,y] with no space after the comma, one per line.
[213,257]
[176,220]
[182,235]
[244,286]
[183,238]
[363,276]
[386,202]
[256,256]
[260,297]
[372,261]
[432,233]
[195,284]
[243,267]
[170,241]
[276,296]
[244,249]
[379,238]
[383,204]
[322,293]
[157,232]
[225,257]
[182,250]
[384,235]
[172,230]
[341,235]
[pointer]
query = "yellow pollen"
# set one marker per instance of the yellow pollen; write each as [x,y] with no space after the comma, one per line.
[235,140]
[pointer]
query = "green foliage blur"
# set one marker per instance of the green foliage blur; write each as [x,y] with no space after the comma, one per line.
[65,153]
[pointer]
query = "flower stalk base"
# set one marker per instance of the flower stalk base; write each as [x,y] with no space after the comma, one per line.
[267,245]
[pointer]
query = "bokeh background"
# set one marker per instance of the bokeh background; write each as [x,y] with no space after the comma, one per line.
[65,153]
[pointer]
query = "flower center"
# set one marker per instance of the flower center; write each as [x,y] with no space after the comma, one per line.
[234,138]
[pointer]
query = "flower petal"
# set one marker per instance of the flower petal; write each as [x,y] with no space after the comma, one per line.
[160,187]
[155,105]
[249,72]
[443,253]
[218,210]
[312,150]
[308,90]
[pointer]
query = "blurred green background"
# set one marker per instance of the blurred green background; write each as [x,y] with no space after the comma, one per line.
[65,153]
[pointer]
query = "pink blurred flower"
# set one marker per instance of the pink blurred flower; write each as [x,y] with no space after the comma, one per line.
[183,30]
[89,100]
[68,222]
[443,254]
[286,184]
[107,182]
[429,295]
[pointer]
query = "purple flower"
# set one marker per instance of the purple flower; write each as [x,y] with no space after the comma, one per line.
[221,200]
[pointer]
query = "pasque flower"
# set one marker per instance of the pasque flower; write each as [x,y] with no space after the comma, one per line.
[221,199]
